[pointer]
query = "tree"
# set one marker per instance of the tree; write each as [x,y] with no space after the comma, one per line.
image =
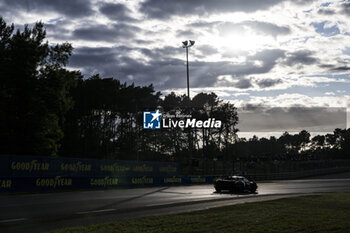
[34,90]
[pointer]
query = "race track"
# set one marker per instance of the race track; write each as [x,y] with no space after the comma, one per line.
[43,212]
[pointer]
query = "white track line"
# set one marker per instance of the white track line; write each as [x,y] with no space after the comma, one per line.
[12,220]
[95,211]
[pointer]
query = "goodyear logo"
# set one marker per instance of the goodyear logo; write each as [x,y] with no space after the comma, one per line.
[106,181]
[53,182]
[76,167]
[115,167]
[33,165]
[172,180]
[198,180]
[142,180]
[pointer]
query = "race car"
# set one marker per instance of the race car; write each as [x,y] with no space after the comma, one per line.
[235,184]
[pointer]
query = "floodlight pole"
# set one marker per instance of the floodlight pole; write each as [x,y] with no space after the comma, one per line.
[187,44]
[188,75]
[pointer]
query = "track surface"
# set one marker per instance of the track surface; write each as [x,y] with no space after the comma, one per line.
[43,212]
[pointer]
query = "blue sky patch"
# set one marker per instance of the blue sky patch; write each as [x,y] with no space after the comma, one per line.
[328,31]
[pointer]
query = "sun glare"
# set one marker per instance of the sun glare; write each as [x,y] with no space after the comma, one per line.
[245,42]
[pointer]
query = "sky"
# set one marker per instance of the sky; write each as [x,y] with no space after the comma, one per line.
[275,53]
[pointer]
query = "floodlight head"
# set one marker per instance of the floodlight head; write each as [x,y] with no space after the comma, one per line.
[192,42]
[185,43]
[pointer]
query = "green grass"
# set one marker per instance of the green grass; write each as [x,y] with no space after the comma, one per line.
[317,213]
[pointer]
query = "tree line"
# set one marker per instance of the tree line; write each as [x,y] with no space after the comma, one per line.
[47,109]
[300,146]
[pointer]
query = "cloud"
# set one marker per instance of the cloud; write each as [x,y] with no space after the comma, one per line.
[163,10]
[107,33]
[335,8]
[326,11]
[71,8]
[254,46]
[341,68]
[115,62]
[207,49]
[268,82]
[117,12]
[158,67]
[259,27]
[161,53]
[187,34]
[345,8]
[243,83]
[302,57]
[57,29]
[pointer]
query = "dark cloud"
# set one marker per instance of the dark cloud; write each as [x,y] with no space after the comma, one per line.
[264,83]
[71,8]
[115,62]
[303,57]
[204,24]
[165,9]
[342,8]
[207,50]
[143,42]
[327,66]
[259,27]
[268,57]
[117,12]
[58,30]
[302,2]
[325,11]
[207,72]
[187,34]
[161,53]
[268,28]
[345,8]
[110,33]
[96,57]
[157,66]
[341,68]
[243,83]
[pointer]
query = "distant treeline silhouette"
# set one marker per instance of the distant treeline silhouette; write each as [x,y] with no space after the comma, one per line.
[46,109]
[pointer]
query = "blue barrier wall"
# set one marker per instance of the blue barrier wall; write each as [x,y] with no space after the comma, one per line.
[35,173]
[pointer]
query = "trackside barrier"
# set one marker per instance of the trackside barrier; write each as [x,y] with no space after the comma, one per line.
[29,184]
[29,173]
[35,173]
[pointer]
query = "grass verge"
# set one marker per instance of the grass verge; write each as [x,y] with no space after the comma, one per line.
[317,213]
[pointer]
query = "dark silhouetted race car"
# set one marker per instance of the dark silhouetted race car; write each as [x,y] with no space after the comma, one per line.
[235,184]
